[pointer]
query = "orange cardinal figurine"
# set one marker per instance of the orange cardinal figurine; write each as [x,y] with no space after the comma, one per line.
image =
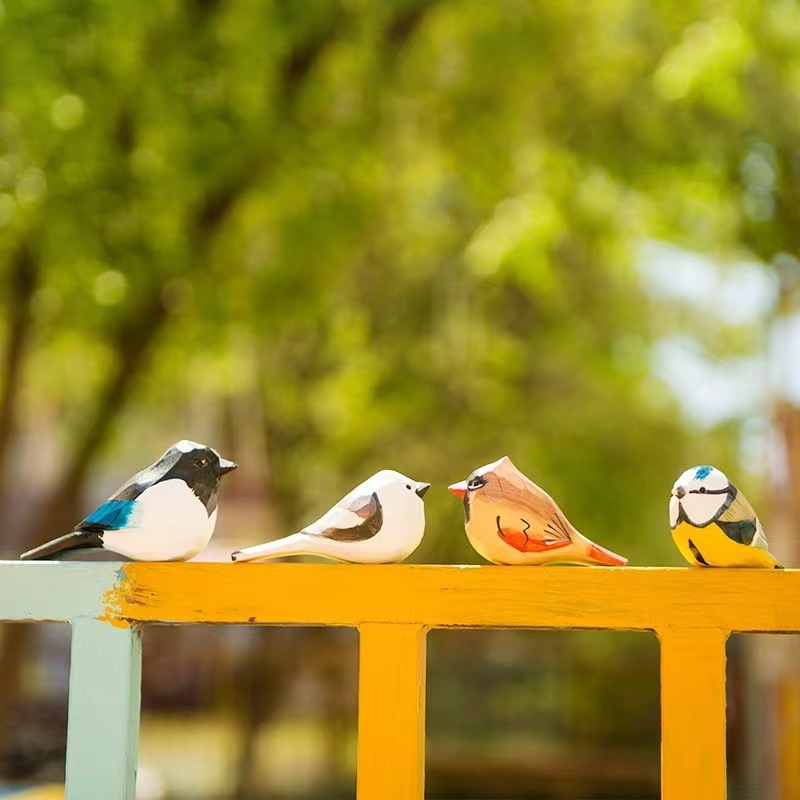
[510,520]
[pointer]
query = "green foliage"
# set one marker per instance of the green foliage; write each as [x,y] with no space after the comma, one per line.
[331,237]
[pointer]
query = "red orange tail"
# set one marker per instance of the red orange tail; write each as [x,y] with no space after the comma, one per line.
[605,557]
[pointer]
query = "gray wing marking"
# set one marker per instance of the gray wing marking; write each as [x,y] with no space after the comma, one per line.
[368,509]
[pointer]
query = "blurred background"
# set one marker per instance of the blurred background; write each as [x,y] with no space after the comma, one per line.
[336,236]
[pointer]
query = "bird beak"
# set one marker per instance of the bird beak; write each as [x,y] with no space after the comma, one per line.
[459,489]
[680,492]
[421,489]
[225,467]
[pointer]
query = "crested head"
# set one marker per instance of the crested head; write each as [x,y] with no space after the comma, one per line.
[495,466]
[502,471]
[699,496]
[503,468]
[490,482]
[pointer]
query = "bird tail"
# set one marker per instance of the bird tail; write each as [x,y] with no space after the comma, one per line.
[599,555]
[77,540]
[295,545]
[775,563]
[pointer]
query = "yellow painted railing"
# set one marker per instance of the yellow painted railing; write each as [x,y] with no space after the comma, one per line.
[692,611]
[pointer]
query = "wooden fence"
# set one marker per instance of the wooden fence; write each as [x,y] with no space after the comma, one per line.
[692,611]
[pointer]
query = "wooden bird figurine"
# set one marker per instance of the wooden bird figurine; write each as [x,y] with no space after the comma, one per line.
[510,520]
[714,525]
[166,512]
[381,521]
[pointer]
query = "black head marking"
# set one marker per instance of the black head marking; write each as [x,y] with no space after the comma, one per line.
[730,490]
[475,482]
[200,467]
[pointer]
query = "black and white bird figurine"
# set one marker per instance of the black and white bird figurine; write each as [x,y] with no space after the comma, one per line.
[381,521]
[166,512]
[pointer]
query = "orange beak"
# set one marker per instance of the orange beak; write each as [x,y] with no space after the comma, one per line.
[459,489]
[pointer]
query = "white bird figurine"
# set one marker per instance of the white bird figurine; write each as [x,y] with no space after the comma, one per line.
[381,521]
[166,512]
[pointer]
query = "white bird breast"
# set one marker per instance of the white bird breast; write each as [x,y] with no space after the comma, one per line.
[169,523]
[403,523]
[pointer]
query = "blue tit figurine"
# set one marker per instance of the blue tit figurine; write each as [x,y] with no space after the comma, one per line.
[714,525]
[166,512]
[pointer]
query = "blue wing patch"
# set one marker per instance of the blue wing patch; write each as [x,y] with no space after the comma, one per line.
[703,472]
[112,515]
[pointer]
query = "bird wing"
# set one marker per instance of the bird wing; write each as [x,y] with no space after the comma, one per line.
[110,516]
[356,518]
[115,513]
[521,536]
[740,523]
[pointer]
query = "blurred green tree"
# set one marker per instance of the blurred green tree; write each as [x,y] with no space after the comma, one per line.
[384,221]
[406,233]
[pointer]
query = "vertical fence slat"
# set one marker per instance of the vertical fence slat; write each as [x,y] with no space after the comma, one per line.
[693,752]
[391,712]
[104,701]
[789,737]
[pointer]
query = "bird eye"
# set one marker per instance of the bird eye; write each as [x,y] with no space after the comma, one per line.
[407,486]
[476,483]
[200,462]
[702,490]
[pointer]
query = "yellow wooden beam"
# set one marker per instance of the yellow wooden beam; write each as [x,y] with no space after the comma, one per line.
[391,712]
[693,747]
[487,596]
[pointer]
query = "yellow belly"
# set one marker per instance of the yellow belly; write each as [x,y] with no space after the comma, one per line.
[717,549]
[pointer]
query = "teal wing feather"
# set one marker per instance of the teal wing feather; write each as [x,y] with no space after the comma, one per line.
[740,523]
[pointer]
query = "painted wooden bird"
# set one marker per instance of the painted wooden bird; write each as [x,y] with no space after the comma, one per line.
[510,520]
[714,525]
[381,521]
[166,512]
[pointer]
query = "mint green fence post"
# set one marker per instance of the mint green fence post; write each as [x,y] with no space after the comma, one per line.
[104,703]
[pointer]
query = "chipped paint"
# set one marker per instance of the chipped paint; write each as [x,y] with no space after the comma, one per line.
[113,600]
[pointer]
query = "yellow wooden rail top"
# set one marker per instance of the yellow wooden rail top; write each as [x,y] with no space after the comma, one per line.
[460,596]
[692,611]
